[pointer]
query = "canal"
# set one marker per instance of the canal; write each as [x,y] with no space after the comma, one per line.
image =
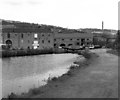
[19,74]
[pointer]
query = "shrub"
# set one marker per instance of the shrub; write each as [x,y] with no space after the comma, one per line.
[86,54]
[54,79]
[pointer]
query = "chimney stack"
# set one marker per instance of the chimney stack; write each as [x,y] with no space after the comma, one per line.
[102,25]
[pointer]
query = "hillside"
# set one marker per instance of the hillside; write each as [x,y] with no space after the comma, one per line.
[17,26]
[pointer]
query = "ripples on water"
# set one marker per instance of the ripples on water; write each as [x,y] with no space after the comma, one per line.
[19,74]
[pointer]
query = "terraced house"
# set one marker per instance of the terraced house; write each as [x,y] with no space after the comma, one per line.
[17,35]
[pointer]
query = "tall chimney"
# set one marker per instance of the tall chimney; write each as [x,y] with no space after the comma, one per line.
[102,25]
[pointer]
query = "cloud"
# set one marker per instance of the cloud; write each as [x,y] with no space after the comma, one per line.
[21,2]
[12,2]
[34,2]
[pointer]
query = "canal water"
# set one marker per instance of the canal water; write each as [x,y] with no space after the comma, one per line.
[19,74]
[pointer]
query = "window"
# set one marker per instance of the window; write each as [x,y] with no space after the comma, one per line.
[42,41]
[42,34]
[82,40]
[70,39]
[28,47]
[35,35]
[8,35]
[54,39]
[78,39]
[55,45]
[77,43]
[35,42]
[22,35]
[62,39]
[48,41]
[35,47]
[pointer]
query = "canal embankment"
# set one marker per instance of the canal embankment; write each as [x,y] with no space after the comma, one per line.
[28,52]
[54,82]
[32,52]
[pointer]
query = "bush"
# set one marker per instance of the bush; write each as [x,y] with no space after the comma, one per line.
[35,91]
[86,54]
[54,79]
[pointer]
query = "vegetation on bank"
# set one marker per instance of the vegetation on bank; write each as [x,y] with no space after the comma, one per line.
[115,52]
[115,49]
[117,42]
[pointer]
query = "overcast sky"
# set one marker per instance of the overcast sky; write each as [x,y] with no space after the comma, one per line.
[65,13]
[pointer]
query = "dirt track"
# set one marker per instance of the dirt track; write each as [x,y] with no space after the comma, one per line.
[97,80]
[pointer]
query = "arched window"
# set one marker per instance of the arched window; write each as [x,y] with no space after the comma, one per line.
[69,44]
[62,45]
[9,44]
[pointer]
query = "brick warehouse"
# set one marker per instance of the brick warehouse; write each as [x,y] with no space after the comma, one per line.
[17,35]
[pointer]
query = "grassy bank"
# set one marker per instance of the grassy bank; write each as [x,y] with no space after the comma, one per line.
[73,70]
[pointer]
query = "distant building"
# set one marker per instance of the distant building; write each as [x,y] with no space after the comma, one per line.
[103,37]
